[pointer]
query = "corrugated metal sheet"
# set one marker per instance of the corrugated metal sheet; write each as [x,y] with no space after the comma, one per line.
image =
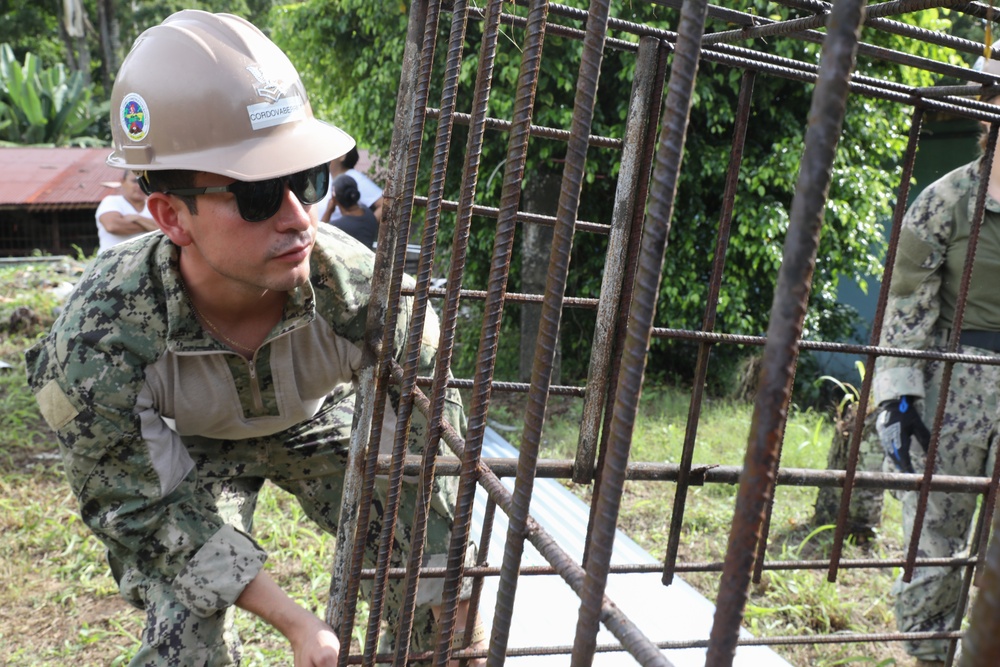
[55,178]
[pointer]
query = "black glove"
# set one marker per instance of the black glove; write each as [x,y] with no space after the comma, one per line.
[896,423]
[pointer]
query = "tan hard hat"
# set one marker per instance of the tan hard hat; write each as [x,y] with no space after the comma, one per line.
[210,92]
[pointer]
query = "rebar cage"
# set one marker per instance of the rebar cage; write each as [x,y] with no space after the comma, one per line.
[650,155]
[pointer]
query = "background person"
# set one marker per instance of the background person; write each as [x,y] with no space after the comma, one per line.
[125,216]
[371,193]
[920,311]
[191,366]
[355,218]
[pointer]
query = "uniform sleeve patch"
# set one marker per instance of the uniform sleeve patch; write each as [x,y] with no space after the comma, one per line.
[55,405]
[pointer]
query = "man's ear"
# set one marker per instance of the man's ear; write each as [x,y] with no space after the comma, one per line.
[171,214]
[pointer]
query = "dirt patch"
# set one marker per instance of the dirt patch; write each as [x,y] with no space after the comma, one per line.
[41,632]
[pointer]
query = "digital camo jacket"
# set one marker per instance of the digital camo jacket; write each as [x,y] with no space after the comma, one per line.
[930,258]
[127,372]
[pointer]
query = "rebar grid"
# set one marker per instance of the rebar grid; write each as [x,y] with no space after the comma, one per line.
[628,296]
[359,478]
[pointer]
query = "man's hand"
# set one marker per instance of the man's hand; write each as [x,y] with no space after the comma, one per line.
[896,424]
[314,643]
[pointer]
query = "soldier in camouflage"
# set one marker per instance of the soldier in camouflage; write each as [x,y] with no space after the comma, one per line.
[194,363]
[920,313]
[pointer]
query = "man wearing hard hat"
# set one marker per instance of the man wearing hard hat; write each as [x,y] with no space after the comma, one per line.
[192,364]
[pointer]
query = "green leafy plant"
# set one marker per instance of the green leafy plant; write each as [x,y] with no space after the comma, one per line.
[851,394]
[46,106]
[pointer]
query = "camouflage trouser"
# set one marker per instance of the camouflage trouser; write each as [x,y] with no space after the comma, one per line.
[966,447]
[307,461]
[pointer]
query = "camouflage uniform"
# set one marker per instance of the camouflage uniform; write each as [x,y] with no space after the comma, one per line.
[919,315]
[167,436]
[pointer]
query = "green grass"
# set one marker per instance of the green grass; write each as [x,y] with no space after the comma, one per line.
[58,603]
[784,602]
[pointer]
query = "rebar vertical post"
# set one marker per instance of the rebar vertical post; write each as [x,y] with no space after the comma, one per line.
[899,211]
[788,311]
[493,309]
[704,349]
[627,201]
[358,476]
[680,92]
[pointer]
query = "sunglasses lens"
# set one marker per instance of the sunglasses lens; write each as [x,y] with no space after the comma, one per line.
[259,200]
[310,186]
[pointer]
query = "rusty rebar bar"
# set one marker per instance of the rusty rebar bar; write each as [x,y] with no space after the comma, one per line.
[632,251]
[708,323]
[897,28]
[981,644]
[507,217]
[729,56]
[628,200]
[826,116]
[480,571]
[645,471]
[415,333]
[470,173]
[902,199]
[359,477]
[548,331]
[680,91]
[613,617]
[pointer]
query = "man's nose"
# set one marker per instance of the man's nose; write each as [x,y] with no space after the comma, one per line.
[293,214]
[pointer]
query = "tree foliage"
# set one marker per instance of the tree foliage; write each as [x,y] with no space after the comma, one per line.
[39,27]
[29,25]
[350,51]
[46,106]
[50,99]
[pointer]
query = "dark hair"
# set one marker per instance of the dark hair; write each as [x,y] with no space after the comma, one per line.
[171,179]
[351,158]
[345,189]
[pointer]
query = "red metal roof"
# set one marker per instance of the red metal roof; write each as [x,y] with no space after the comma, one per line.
[55,178]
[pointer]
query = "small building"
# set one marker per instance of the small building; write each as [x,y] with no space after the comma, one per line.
[48,197]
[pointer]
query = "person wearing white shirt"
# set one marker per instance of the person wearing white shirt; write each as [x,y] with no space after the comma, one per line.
[124,216]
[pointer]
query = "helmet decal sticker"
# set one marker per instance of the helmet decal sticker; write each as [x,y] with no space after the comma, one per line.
[287,110]
[134,117]
[266,86]
[279,109]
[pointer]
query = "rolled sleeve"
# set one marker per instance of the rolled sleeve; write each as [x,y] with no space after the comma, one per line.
[218,572]
[892,383]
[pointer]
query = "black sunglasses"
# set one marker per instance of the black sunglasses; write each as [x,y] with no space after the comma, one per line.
[260,200]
